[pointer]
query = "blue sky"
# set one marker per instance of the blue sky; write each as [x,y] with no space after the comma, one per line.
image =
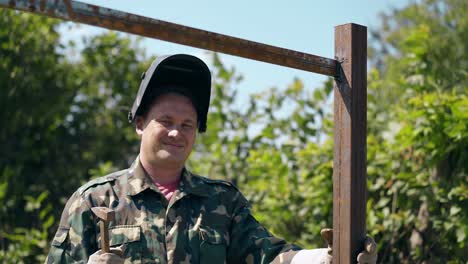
[306,26]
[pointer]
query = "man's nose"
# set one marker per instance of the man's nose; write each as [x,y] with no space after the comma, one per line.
[173,131]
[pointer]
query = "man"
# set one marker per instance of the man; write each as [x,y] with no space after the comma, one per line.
[163,212]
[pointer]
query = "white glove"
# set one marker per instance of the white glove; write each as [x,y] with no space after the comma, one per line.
[319,255]
[310,256]
[115,256]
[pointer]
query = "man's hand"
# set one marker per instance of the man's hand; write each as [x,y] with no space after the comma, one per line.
[115,256]
[367,256]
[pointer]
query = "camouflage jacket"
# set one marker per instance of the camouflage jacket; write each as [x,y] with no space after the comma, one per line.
[205,221]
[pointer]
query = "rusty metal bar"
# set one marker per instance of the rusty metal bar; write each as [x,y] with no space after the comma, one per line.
[349,162]
[153,28]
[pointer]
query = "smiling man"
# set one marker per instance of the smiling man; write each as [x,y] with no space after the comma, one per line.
[167,132]
[163,212]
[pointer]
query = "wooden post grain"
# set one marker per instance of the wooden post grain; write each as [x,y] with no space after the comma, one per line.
[349,163]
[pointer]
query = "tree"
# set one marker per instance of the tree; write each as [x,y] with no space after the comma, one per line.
[418,139]
[59,123]
[32,70]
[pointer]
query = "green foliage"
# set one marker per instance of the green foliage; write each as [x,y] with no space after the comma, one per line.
[424,189]
[30,245]
[30,72]
[277,146]
[418,136]
[61,119]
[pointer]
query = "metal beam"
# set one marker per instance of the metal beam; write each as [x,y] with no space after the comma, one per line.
[349,161]
[153,28]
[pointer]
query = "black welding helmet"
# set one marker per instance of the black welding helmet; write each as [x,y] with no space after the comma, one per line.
[180,73]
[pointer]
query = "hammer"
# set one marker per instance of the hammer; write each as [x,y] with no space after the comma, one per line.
[105,215]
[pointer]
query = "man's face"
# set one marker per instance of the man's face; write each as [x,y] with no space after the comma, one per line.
[167,131]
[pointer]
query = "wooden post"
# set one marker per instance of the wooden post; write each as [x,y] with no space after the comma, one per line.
[349,163]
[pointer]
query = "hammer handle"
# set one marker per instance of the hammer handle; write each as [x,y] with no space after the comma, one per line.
[105,236]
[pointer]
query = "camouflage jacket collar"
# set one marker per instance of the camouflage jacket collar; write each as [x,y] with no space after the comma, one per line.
[138,181]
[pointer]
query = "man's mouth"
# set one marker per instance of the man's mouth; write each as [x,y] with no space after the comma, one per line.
[173,145]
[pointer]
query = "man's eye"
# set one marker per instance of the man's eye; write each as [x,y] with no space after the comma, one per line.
[188,126]
[164,122]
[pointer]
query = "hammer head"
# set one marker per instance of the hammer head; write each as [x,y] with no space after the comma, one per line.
[327,234]
[104,213]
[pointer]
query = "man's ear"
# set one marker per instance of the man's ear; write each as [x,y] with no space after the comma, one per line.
[139,125]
